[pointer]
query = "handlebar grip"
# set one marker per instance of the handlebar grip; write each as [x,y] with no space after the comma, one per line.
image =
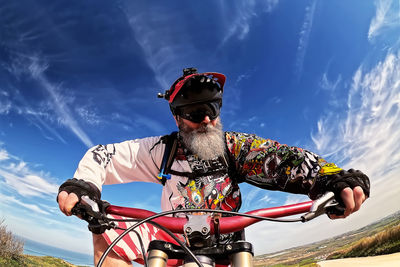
[89,211]
[80,210]
[335,210]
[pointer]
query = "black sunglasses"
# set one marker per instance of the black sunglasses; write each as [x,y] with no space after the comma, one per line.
[197,112]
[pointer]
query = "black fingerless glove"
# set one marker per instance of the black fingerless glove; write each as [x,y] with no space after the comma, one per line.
[80,188]
[350,178]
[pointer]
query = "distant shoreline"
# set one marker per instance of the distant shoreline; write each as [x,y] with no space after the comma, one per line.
[34,248]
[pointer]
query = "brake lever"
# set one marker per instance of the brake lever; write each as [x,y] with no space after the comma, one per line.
[89,211]
[325,204]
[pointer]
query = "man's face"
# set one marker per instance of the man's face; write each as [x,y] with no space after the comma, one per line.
[204,139]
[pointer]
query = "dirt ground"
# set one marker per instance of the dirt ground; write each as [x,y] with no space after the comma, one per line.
[390,260]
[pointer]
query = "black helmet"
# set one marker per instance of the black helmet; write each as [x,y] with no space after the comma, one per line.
[195,88]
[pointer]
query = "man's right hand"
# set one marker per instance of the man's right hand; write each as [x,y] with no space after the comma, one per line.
[67,201]
[71,192]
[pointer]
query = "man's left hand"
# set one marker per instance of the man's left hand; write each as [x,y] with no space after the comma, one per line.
[351,189]
[352,200]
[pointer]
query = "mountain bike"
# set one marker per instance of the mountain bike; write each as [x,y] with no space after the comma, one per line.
[201,229]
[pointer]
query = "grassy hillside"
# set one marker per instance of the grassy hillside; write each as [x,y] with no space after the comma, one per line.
[11,249]
[382,237]
[386,241]
[33,261]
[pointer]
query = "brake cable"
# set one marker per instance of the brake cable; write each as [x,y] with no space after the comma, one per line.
[316,210]
[184,247]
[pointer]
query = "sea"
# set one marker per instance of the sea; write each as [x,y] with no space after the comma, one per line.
[39,249]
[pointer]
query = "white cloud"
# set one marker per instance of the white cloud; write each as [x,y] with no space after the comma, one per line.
[267,199]
[32,207]
[3,154]
[329,85]
[367,137]
[5,107]
[71,233]
[29,185]
[386,17]
[56,108]
[239,18]
[275,100]
[249,198]
[164,47]
[19,177]
[5,103]
[293,199]
[88,115]
[62,110]
[304,37]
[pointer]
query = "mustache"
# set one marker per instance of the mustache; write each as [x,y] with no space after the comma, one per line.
[204,128]
[207,141]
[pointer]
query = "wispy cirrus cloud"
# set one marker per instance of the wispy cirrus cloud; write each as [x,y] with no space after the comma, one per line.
[365,137]
[5,103]
[304,38]
[164,47]
[372,122]
[89,115]
[55,108]
[59,105]
[28,61]
[239,16]
[328,84]
[256,198]
[28,196]
[3,154]
[386,17]
[14,201]
[163,33]
[293,199]
[18,176]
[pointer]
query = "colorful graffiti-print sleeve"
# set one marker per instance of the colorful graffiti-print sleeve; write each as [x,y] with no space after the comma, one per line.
[274,166]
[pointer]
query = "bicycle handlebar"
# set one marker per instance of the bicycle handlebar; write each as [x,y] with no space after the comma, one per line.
[312,209]
[227,224]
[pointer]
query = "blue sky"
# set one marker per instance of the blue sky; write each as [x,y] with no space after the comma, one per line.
[322,75]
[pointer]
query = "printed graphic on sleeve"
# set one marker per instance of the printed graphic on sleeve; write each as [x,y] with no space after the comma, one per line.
[103,154]
[328,168]
[272,165]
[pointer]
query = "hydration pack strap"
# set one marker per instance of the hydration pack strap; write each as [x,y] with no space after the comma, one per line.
[171,143]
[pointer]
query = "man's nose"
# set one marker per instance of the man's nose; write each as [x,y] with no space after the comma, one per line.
[206,119]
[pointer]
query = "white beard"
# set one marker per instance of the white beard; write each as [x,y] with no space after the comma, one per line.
[207,142]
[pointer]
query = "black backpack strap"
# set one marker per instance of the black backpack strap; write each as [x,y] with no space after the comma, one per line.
[171,144]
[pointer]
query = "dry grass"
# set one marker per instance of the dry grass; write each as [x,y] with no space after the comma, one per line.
[384,242]
[10,246]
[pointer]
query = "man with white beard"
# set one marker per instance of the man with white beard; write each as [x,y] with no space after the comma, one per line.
[201,166]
